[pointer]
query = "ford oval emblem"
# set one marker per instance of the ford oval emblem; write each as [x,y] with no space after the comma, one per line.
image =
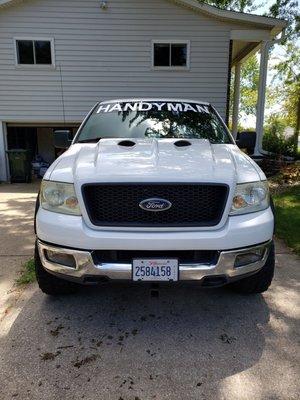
[155,204]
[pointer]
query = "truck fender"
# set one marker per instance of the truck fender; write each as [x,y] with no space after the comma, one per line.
[37,206]
[273,211]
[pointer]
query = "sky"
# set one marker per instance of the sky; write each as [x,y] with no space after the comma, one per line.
[278,51]
[262,6]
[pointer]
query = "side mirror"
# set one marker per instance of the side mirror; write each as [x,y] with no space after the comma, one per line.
[62,139]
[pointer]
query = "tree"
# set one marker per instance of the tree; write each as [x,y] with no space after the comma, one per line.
[249,85]
[288,70]
[288,76]
[235,5]
[287,89]
[289,11]
[248,89]
[274,139]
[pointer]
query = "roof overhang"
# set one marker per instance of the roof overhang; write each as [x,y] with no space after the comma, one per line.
[258,21]
[5,3]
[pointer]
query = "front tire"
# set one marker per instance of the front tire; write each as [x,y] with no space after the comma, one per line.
[50,284]
[260,281]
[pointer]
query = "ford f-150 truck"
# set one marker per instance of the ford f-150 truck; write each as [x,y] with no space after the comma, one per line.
[154,190]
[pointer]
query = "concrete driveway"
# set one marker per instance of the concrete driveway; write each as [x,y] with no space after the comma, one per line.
[118,342]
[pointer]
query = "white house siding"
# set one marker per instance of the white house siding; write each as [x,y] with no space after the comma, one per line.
[107,54]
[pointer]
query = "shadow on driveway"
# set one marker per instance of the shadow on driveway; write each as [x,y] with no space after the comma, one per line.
[118,342]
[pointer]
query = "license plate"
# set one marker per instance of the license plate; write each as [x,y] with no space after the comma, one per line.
[155,270]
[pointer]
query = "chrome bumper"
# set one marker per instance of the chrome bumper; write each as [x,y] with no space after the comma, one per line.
[85,266]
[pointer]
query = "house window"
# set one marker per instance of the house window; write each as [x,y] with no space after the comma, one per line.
[34,52]
[170,55]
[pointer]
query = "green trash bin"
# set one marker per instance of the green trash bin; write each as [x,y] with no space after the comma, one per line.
[19,165]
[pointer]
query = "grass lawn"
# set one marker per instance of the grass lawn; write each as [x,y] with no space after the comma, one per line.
[287,207]
[27,274]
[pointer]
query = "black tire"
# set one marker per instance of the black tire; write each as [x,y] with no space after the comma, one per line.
[50,284]
[259,282]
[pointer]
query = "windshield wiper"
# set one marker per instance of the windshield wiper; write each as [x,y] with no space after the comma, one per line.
[92,140]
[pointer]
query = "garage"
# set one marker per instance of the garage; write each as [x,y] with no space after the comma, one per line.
[31,148]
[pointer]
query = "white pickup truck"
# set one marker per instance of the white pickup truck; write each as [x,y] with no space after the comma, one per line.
[154,190]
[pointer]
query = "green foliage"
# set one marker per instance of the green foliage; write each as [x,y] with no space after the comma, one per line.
[288,78]
[274,140]
[249,85]
[285,88]
[287,206]
[288,10]
[288,70]
[248,89]
[290,103]
[277,144]
[288,74]
[28,273]
[235,5]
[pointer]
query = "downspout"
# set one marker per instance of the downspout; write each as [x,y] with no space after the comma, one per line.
[262,93]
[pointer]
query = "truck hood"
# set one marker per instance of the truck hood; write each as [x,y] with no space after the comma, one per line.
[154,160]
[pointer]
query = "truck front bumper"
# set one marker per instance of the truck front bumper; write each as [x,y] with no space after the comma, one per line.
[82,267]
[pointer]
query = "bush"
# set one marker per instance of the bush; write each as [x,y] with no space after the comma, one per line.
[276,143]
[274,140]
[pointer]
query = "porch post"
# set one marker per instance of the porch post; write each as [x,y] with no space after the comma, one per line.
[261,98]
[3,159]
[236,99]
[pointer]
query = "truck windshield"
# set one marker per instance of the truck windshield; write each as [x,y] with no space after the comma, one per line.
[150,119]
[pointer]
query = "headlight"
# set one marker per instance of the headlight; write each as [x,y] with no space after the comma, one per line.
[250,197]
[59,197]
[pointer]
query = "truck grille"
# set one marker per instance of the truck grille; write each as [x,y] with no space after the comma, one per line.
[118,204]
[208,257]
